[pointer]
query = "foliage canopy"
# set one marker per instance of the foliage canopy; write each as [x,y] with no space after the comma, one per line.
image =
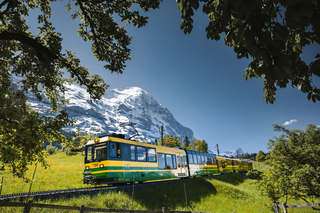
[170,141]
[261,156]
[41,62]
[273,33]
[294,160]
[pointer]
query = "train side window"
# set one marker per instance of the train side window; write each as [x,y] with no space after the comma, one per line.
[190,157]
[209,160]
[185,161]
[195,159]
[205,159]
[174,162]
[152,155]
[169,162]
[214,161]
[142,153]
[115,151]
[133,152]
[199,159]
[161,161]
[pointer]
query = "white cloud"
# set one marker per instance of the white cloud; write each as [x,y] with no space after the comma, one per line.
[290,122]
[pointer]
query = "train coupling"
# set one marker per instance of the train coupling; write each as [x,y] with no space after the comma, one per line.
[88,179]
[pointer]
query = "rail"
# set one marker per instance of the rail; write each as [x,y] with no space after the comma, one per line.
[126,187]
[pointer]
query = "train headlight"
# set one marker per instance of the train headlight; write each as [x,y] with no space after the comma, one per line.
[101,165]
[87,167]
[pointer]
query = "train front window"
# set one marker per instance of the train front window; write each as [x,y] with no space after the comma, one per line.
[100,153]
[94,154]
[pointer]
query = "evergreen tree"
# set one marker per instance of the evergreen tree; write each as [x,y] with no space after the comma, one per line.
[186,143]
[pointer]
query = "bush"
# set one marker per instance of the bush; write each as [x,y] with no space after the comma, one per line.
[51,150]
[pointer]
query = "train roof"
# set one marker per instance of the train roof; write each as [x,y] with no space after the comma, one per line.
[197,152]
[114,138]
[234,159]
[223,157]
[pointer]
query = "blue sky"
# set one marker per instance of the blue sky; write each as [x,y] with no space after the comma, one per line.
[199,80]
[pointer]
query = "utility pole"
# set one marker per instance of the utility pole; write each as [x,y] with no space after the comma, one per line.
[217,149]
[161,135]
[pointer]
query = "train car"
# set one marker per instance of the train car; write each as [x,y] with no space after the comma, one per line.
[114,159]
[240,165]
[236,165]
[225,165]
[246,165]
[200,163]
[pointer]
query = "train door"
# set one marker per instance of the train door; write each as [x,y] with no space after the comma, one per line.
[180,166]
[221,164]
[232,165]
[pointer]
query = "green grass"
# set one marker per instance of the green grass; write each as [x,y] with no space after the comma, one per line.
[229,193]
[64,172]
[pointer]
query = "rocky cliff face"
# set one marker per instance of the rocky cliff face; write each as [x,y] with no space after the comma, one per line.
[118,106]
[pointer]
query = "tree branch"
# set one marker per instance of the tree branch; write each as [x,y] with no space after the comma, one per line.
[88,19]
[43,53]
[11,4]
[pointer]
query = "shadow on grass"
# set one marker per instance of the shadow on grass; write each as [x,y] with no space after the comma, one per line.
[234,179]
[173,196]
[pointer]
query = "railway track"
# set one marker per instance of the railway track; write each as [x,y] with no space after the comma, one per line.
[49,194]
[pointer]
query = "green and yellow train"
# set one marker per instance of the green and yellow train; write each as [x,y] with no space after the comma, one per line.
[113,159]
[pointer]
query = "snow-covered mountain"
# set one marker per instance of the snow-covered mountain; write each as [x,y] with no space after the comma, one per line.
[116,107]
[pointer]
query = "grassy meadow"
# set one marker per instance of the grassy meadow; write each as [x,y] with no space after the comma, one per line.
[64,172]
[230,193]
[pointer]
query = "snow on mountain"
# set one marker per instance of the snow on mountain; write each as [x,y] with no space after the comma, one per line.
[116,107]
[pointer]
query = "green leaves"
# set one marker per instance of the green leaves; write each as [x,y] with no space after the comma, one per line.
[23,132]
[272,33]
[294,160]
[171,141]
[41,62]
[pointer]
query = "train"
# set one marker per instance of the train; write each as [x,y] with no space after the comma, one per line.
[113,159]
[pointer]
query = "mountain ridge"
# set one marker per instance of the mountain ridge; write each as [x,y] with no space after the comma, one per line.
[117,106]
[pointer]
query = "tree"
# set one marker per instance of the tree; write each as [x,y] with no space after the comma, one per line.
[41,62]
[272,33]
[23,132]
[186,142]
[171,141]
[202,146]
[261,156]
[294,161]
[239,153]
[192,145]
[198,145]
[78,142]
